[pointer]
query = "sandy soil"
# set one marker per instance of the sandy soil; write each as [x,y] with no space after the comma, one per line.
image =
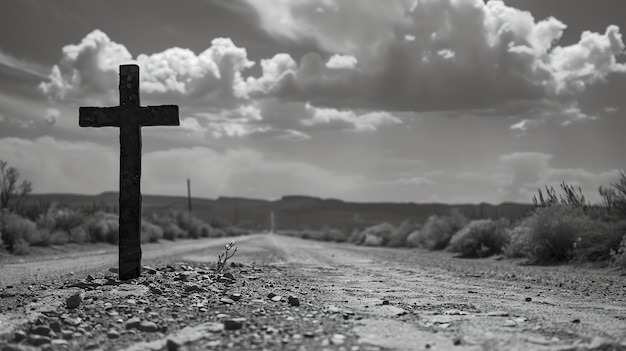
[414,299]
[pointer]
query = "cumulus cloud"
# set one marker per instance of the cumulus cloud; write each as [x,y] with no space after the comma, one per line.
[341,62]
[423,55]
[90,70]
[369,121]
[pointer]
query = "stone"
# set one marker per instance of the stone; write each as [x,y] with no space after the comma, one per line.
[229,275]
[19,336]
[132,323]
[148,327]
[173,344]
[56,326]
[385,302]
[235,297]
[293,301]
[232,324]
[113,334]
[73,301]
[67,334]
[529,299]
[38,340]
[337,339]
[227,301]
[510,323]
[41,330]
[149,270]
[277,298]
[271,295]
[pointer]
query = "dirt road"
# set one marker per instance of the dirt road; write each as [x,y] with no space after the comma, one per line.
[414,300]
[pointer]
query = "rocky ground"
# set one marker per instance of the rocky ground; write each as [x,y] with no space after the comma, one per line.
[291,294]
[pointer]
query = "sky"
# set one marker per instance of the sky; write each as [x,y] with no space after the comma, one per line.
[457,101]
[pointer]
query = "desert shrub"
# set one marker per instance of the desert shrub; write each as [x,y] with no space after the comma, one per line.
[63,219]
[15,231]
[150,233]
[437,231]
[171,231]
[480,238]
[335,235]
[398,237]
[234,231]
[355,236]
[519,242]
[20,247]
[191,224]
[377,235]
[618,256]
[600,243]
[103,227]
[553,232]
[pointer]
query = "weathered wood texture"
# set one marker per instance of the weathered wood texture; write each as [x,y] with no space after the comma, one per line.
[129,116]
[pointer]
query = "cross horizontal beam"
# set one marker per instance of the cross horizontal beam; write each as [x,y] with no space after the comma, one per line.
[148,116]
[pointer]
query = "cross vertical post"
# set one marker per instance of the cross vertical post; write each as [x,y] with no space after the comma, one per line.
[129,116]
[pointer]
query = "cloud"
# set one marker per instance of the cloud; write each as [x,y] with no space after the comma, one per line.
[429,55]
[51,116]
[407,181]
[56,166]
[369,121]
[341,62]
[89,70]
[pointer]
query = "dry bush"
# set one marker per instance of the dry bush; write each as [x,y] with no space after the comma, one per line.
[376,235]
[171,231]
[398,237]
[519,243]
[618,256]
[103,227]
[15,231]
[150,233]
[600,243]
[437,231]
[552,234]
[480,238]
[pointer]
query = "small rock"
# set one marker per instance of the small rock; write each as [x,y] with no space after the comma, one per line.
[385,302]
[90,278]
[235,297]
[277,298]
[149,270]
[19,336]
[227,301]
[498,314]
[576,321]
[132,323]
[229,275]
[510,323]
[73,301]
[41,330]
[38,340]
[529,299]
[113,334]
[56,326]
[271,295]
[338,339]
[190,287]
[60,342]
[67,334]
[148,327]
[114,270]
[293,301]
[72,321]
[232,324]
[173,344]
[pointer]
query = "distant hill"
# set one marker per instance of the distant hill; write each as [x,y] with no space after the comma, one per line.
[292,211]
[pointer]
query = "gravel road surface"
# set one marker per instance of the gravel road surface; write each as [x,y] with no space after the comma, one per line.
[349,298]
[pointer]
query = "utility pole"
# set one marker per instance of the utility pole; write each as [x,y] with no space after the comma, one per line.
[189,196]
[272,223]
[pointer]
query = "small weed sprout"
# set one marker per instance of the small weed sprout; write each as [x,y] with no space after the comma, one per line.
[223,257]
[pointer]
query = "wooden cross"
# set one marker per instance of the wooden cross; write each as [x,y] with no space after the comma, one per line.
[129,116]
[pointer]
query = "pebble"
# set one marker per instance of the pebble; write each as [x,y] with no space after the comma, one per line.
[232,324]
[338,339]
[73,301]
[277,298]
[113,334]
[529,299]
[227,301]
[293,301]
[38,340]
[235,297]
[132,323]
[148,327]
[41,330]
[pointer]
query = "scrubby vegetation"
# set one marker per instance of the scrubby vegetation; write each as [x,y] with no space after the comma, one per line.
[563,228]
[46,224]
